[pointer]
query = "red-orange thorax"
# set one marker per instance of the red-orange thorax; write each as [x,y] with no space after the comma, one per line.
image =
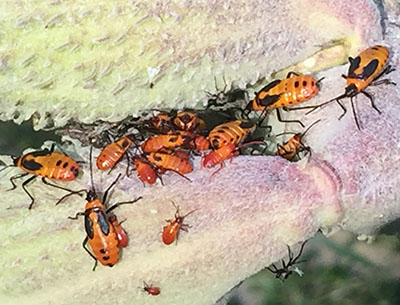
[112,153]
[53,165]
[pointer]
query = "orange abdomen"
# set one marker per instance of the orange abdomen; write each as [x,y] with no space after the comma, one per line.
[170,162]
[156,143]
[145,172]
[112,153]
[233,132]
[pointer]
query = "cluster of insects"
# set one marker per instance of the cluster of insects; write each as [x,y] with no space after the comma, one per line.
[168,140]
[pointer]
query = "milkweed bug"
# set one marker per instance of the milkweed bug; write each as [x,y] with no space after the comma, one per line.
[100,233]
[158,142]
[188,121]
[122,236]
[152,290]
[145,170]
[113,152]
[294,145]
[171,231]
[47,164]
[283,93]
[364,71]
[286,270]
[173,163]
[233,132]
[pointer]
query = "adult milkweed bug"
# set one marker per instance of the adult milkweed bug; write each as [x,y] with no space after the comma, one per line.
[284,93]
[294,145]
[171,231]
[286,270]
[364,70]
[122,236]
[113,152]
[233,132]
[152,290]
[101,234]
[47,164]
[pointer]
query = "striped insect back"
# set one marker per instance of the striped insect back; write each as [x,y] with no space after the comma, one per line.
[233,132]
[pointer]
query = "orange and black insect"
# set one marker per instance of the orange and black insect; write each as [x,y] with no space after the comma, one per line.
[152,290]
[161,123]
[158,142]
[145,170]
[181,166]
[364,71]
[122,236]
[101,234]
[218,156]
[283,93]
[290,149]
[201,143]
[113,152]
[287,268]
[47,164]
[171,231]
[233,132]
[188,121]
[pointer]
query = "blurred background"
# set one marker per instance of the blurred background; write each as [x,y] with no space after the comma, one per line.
[340,270]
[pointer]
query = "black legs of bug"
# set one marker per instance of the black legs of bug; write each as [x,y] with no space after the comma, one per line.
[84,244]
[278,112]
[23,186]
[286,270]
[121,203]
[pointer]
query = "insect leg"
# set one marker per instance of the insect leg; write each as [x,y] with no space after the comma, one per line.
[355,114]
[109,188]
[300,252]
[287,121]
[383,81]
[85,241]
[14,186]
[343,108]
[76,215]
[372,101]
[26,190]
[121,203]
[291,73]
